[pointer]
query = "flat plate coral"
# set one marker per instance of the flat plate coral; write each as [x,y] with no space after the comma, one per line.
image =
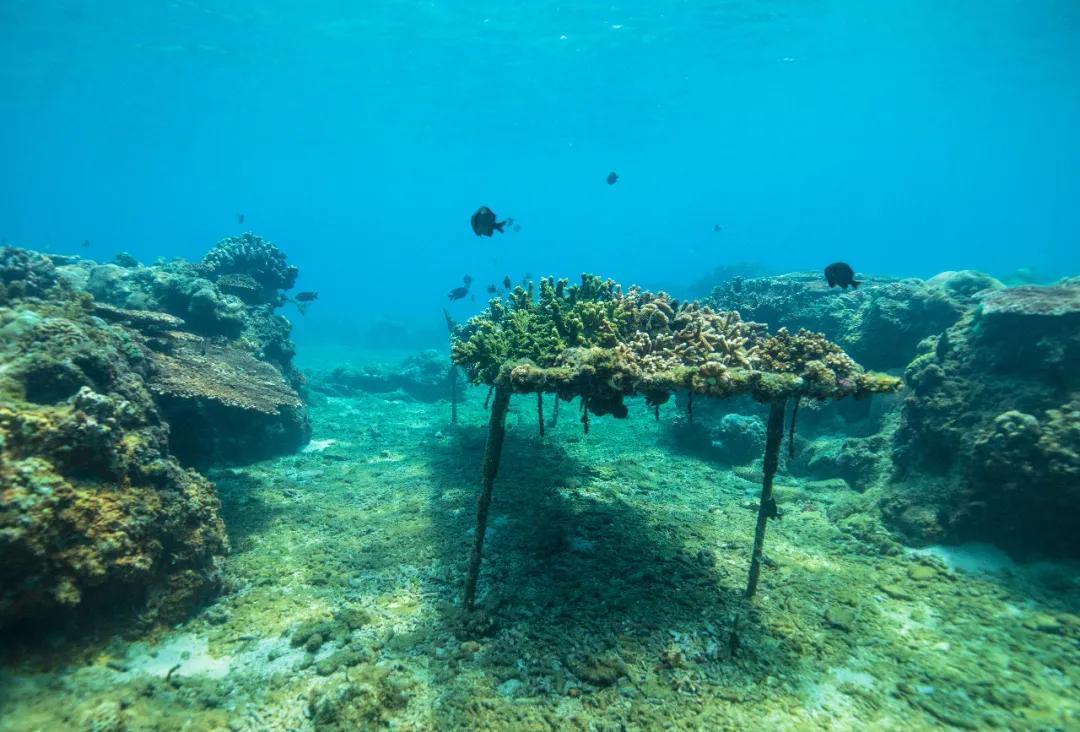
[226,375]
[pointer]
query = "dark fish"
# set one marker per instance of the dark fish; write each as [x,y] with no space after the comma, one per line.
[306,296]
[239,218]
[717,228]
[840,274]
[459,292]
[612,177]
[484,223]
[492,289]
[86,244]
[507,284]
[517,228]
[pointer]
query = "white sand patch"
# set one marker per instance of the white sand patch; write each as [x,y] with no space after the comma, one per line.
[187,653]
[318,445]
[855,678]
[973,557]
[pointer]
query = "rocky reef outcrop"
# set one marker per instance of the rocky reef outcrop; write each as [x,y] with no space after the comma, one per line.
[879,324]
[94,508]
[223,370]
[424,377]
[989,440]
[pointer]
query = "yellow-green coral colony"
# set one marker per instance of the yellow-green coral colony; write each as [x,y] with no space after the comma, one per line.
[596,341]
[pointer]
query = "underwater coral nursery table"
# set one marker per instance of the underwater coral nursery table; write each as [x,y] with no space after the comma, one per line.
[594,341]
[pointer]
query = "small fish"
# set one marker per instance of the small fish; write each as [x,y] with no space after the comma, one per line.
[306,296]
[484,223]
[612,177]
[492,289]
[717,227]
[239,218]
[507,284]
[86,244]
[840,274]
[459,292]
[517,228]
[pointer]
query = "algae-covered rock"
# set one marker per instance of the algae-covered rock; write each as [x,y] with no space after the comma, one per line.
[879,324]
[94,509]
[989,442]
[222,363]
[425,377]
[740,438]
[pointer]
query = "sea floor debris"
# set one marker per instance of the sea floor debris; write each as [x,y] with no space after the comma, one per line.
[620,566]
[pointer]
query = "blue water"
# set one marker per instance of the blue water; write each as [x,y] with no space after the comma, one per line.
[905,137]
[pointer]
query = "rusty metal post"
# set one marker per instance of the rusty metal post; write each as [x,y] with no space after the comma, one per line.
[492,456]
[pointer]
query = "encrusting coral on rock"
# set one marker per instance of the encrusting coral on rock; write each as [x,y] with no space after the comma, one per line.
[209,324]
[249,260]
[93,507]
[879,324]
[989,441]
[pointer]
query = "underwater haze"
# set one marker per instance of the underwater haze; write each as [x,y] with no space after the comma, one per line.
[575,366]
[905,137]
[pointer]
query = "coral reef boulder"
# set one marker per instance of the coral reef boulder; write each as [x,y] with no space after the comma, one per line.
[94,510]
[424,377]
[991,421]
[215,320]
[226,406]
[740,438]
[256,262]
[878,324]
[24,273]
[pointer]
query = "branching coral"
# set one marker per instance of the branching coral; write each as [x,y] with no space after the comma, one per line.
[596,341]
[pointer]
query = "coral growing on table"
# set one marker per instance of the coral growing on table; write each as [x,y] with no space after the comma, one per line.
[596,341]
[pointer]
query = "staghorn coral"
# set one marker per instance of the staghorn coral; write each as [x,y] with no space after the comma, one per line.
[255,257]
[595,341]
